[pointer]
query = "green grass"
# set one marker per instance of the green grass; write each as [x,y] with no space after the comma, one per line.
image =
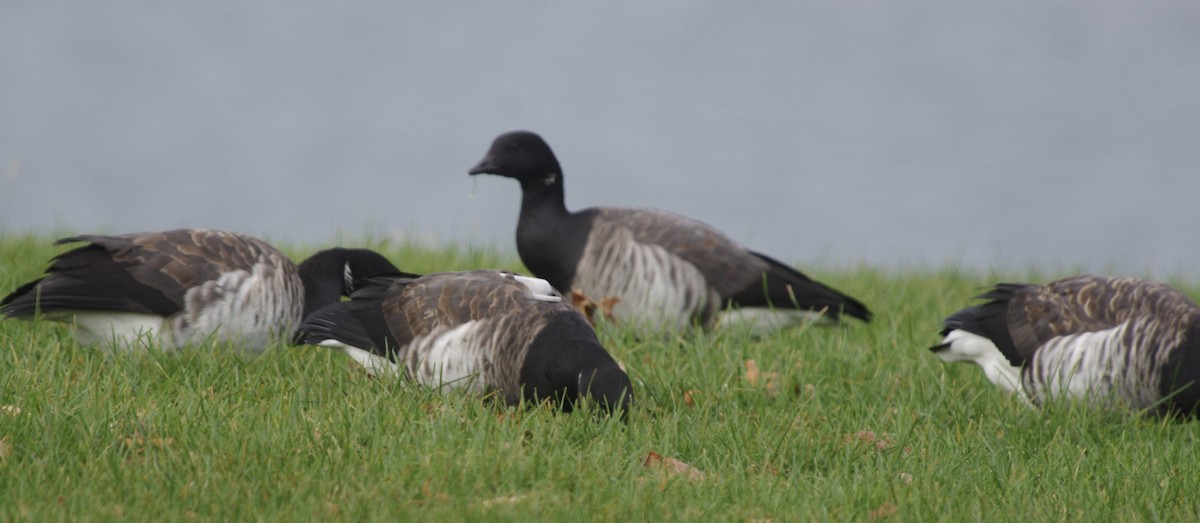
[863,423]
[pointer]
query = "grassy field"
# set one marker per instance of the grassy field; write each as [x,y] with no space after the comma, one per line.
[848,423]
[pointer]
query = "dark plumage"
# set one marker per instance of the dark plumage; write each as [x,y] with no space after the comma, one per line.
[481,330]
[667,270]
[1112,341]
[172,287]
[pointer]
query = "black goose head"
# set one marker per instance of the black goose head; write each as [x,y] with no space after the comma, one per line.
[609,387]
[522,155]
[566,362]
[336,272]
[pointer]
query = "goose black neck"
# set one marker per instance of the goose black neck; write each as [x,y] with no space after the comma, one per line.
[543,196]
[566,360]
[333,273]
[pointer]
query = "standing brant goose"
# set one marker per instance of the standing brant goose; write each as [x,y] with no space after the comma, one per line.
[668,271]
[482,330]
[1110,341]
[171,287]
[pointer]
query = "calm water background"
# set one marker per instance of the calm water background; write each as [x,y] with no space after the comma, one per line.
[994,134]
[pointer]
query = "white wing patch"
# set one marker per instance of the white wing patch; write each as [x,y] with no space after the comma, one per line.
[541,289]
[374,364]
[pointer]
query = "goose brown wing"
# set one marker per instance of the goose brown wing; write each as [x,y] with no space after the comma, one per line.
[451,299]
[86,278]
[750,279]
[726,265]
[177,260]
[1088,303]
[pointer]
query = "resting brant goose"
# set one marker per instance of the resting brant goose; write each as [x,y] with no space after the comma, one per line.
[1109,341]
[668,271]
[482,330]
[168,288]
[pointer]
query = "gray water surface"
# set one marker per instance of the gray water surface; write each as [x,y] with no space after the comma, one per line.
[991,134]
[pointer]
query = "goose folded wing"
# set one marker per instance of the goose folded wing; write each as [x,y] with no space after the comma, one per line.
[452,299]
[87,278]
[726,265]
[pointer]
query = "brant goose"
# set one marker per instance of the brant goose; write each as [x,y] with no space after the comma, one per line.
[482,330]
[1110,341]
[668,271]
[172,287]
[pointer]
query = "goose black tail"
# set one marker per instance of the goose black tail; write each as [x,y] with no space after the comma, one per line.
[785,287]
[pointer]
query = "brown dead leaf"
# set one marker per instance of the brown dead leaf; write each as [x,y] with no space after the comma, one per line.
[886,510]
[752,373]
[672,467]
[880,441]
[607,304]
[140,443]
[428,495]
[769,380]
[689,397]
[584,305]
[588,307]
[5,448]
[772,384]
[906,478]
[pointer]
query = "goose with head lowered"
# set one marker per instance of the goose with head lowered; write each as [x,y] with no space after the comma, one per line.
[668,271]
[1109,341]
[485,331]
[168,288]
